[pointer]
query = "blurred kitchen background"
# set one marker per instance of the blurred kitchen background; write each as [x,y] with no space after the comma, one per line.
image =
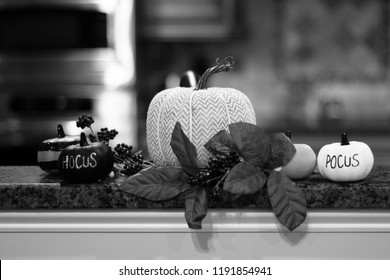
[316,67]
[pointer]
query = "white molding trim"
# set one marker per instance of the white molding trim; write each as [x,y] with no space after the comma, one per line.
[173,221]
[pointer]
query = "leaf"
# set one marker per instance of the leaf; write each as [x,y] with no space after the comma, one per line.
[196,205]
[157,183]
[184,150]
[282,150]
[287,200]
[252,143]
[221,143]
[244,178]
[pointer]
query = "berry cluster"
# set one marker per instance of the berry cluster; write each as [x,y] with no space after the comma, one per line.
[123,151]
[134,165]
[105,135]
[200,178]
[138,158]
[131,163]
[219,164]
[131,169]
[85,121]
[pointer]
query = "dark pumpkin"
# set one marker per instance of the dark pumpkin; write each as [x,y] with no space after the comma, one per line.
[86,162]
[49,150]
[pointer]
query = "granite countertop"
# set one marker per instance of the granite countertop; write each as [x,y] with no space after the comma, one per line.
[28,187]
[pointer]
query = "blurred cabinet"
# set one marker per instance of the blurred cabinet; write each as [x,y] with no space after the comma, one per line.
[183,20]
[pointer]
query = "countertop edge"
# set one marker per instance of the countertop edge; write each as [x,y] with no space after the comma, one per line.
[227,220]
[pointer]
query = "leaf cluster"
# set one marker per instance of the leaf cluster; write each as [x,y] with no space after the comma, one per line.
[260,155]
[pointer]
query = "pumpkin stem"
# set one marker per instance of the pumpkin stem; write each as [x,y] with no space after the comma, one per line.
[60,131]
[344,139]
[288,134]
[83,140]
[227,64]
[90,128]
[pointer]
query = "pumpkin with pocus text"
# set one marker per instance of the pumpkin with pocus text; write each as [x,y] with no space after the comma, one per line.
[49,150]
[201,111]
[86,162]
[345,161]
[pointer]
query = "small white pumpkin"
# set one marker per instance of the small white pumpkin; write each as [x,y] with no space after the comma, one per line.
[303,162]
[201,111]
[345,161]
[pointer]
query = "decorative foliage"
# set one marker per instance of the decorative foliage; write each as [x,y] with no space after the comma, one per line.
[251,155]
[104,135]
[241,162]
[286,199]
[90,157]
[126,161]
[221,143]
[252,143]
[281,151]
[184,150]
[244,178]
[158,183]
[195,206]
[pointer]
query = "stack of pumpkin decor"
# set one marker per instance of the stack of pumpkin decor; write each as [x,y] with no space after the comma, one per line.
[205,142]
[82,160]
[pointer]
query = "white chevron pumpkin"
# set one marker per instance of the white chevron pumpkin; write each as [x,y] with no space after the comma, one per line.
[201,112]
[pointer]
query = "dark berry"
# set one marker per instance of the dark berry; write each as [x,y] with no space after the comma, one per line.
[92,138]
[105,135]
[137,158]
[112,133]
[132,162]
[123,151]
[200,178]
[219,164]
[131,168]
[85,121]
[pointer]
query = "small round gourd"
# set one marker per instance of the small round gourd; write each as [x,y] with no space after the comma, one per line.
[345,161]
[201,111]
[49,150]
[86,162]
[302,163]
